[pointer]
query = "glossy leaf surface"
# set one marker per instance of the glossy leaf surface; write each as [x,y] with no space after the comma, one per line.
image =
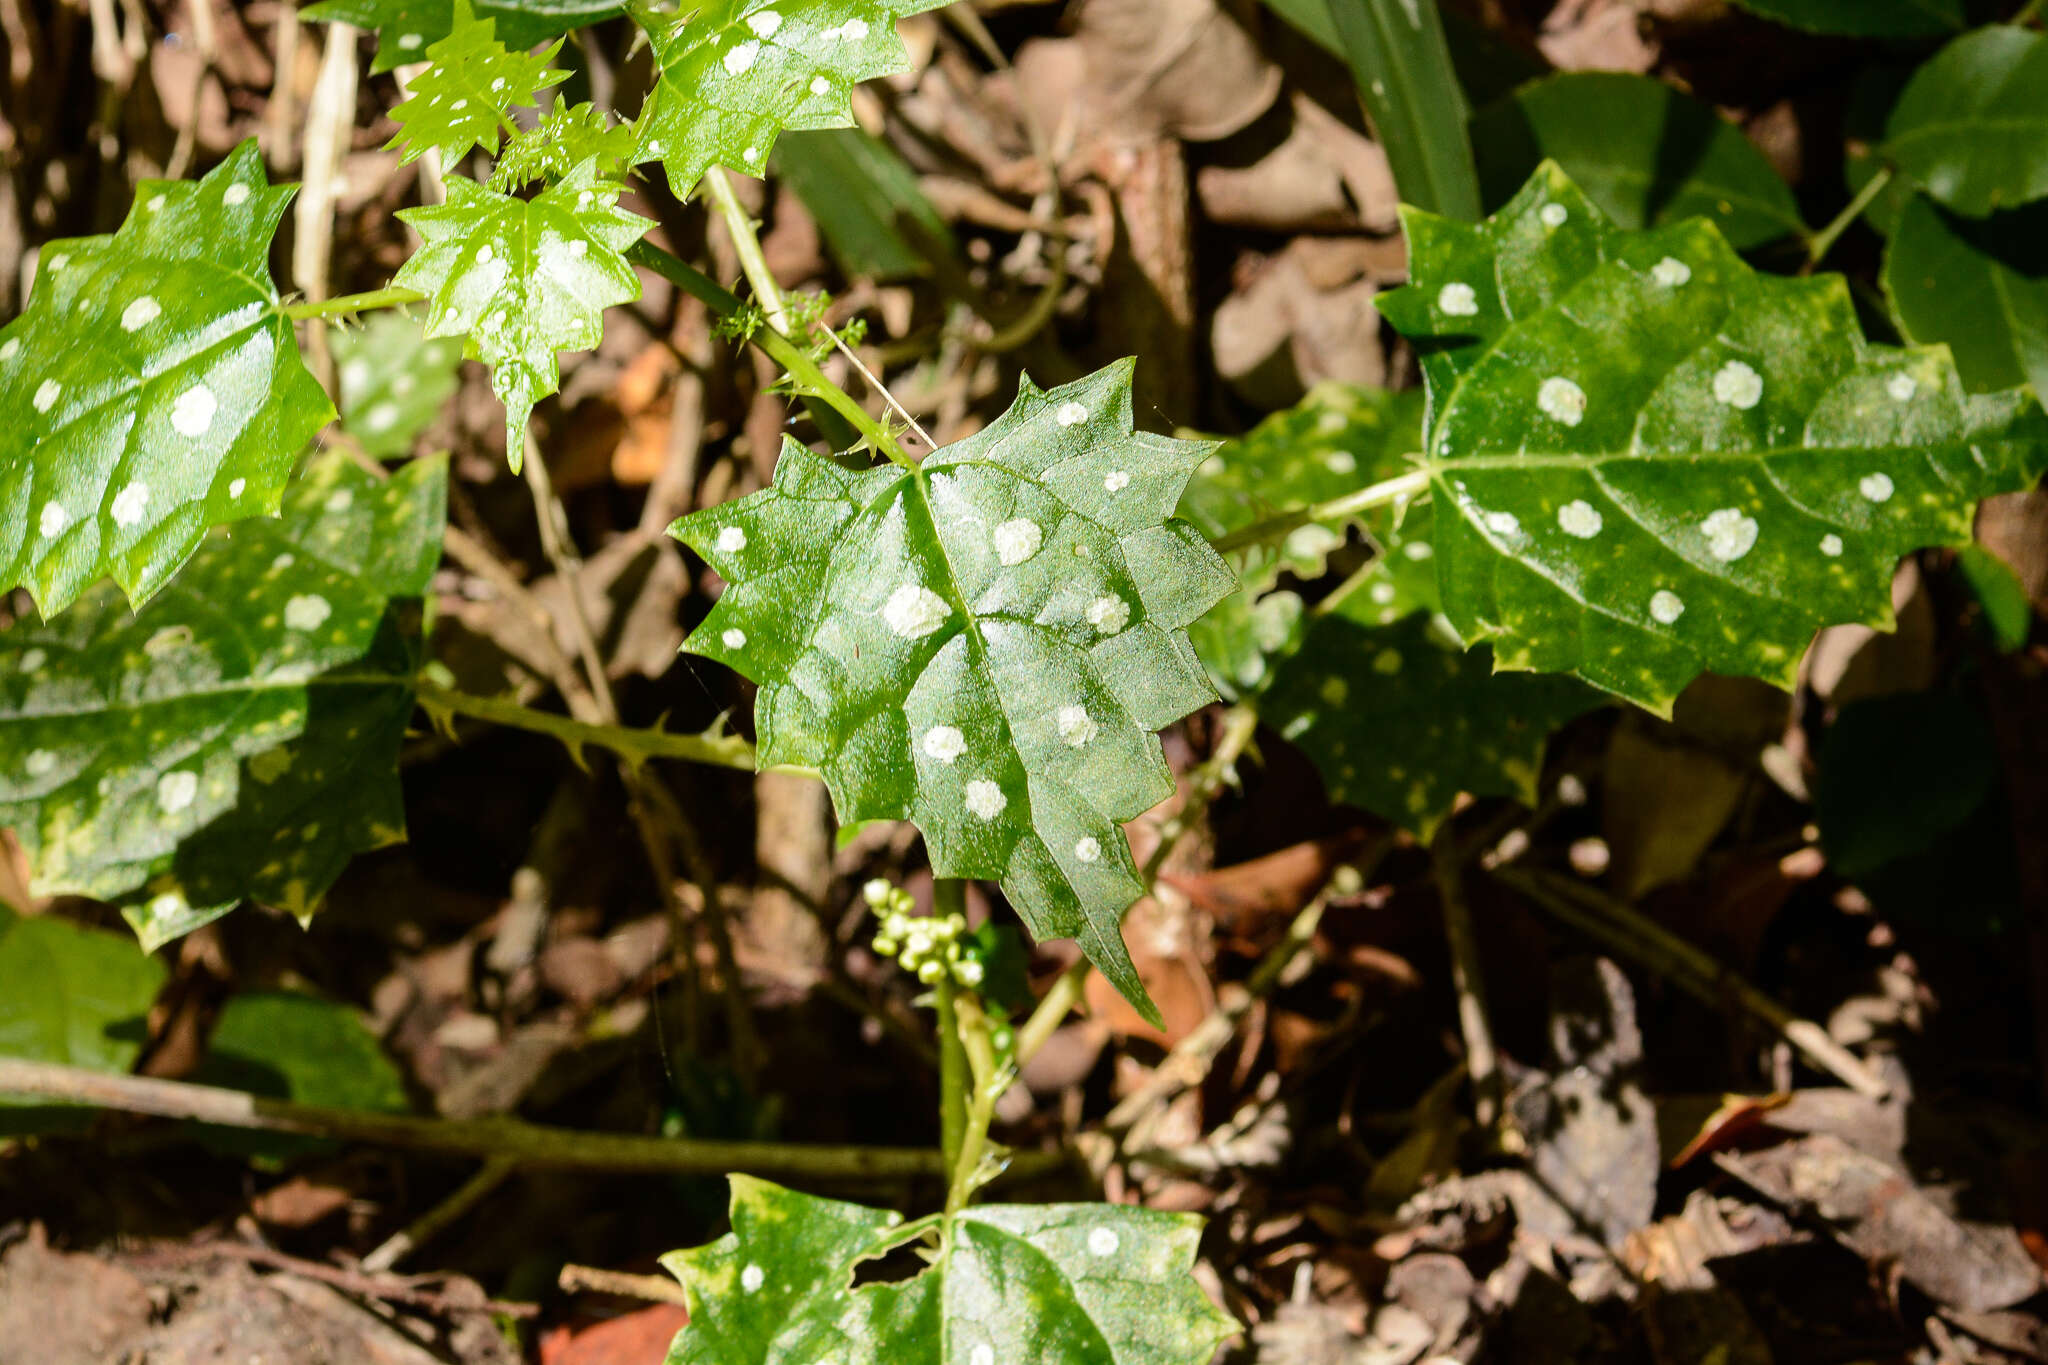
[460,100]
[393,381]
[1650,461]
[1081,1284]
[1645,153]
[524,279]
[1971,127]
[406,28]
[984,645]
[1978,286]
[1865,18]
[239,736]
[75,996]
[732,75]
[153,390]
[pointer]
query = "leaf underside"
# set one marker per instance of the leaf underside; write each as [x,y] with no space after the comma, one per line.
[984,645]
[524,279]
[202,751]
[1082,1284]
[733,75]
[153,390]
[1649,461]
[406,28]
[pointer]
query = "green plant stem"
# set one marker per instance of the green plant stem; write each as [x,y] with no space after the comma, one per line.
[727,751]
[351,303]
[528,1144]
[794,360]
[987,1086]
[1398,489]
[739,225]
[2028,13]
[1822,242]
[948,897]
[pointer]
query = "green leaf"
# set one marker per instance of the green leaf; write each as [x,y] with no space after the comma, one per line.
[524,279]
[1339,437]
[1402,68]
[460,100]
[1400,720]
[2007,611]
[1971,127]
[406,28]
[239,736]
[856,187]
[1083,1284]
[1649,461]
[153,387]
[74,996]
[286,1046]
[566,136]
[1864,18]
[732,75]
[1979,286]
[983,644]
[1642,151]
[393,381]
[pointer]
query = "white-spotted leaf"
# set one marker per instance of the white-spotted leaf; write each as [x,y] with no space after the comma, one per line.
[393,381]
[1084,1284]
[405,29]
[732,75]
[983,645]
[460,100]
[238,737]
[1648,461]
[524,279]
[153,390]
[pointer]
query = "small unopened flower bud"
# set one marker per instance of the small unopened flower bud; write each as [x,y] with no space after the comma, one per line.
[967,973]
[930,972]
[952,952]
[918,943]
[1003,1037]
[876,892]
[956,923]
[885,945]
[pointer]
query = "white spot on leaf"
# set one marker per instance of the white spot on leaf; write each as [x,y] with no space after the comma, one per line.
[1109,614]
[1876,487]
[1017,540]
[819,85]
[1579,518]
[914,611]
[382,417]
[236,486]
[1562,401]
[765,23]
[1077,727]
[193,413]
[1738,385]
[1387,662]
[731,541]
[1457,300]
[1665,606]
[129,504]
[1831,545]
[1503,523]
[47,394]
[1070,414]
[1103,1242]
[752,1278]
[236,195]
[1730,534]
[1340,462]
[985,798]
[740,59]
[340,500]
[31,661]
[944,742]
[1088,850]
[1902,387]
[40,763]
[140,314]
[734,638]
[10,349]
[1554,215]
[1671,272]
[1116,480]
[174,791]
[307,611]
[53,520]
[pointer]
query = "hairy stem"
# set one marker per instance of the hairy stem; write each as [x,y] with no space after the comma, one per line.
[948,897]
[351,303]
[986,1087]
[1399,489]
[727,751]
[739,225]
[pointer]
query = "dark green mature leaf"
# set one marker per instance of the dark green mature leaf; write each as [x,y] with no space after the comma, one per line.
[238,737]
[1978,286]
[153,390]
[732,75]
[286,1046]
[393,381]
[1081,1284]
[983,645]
[855,186]
[1865,18]
[460,100]
[1337,439]
[1971,127]
[1649,461]
[1401,66]
[524,279]
[1400,719]
[75,996]
[405,28]
[1644,152]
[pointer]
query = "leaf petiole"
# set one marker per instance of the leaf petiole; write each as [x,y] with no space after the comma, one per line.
[634,745]
[348,304]
[1822,242]
[1402,488]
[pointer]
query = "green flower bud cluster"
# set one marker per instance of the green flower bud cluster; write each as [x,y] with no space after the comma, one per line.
[928,948]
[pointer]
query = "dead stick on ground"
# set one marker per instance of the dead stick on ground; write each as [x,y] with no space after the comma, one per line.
[391,1289]
[436,1220]
[1482,1063]
[579,1279]
[526,1144]
[1625,930]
